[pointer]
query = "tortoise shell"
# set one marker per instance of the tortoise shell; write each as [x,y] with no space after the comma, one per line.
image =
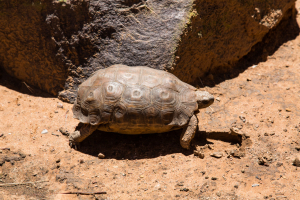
[135,100]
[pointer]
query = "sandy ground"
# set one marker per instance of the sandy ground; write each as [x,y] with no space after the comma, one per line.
[252,133]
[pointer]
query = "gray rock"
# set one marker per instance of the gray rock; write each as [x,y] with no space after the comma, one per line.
[44,131]
[217,154]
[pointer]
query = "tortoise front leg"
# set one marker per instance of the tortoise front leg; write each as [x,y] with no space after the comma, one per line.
[188,133]
[79,135]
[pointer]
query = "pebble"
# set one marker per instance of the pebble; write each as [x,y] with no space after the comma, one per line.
[184,189]
[217,154]
[64,131]
[296,162]
[199,154]
[60,105]
[297,148]
[288,110]
[255,185]
[101,155]
[44,131]
[242,118]
[214,178]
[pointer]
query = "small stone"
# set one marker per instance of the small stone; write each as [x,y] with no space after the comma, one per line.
[266,134]
[217,154]
[288,110]
[218,99]
[60,105]
[248,79]
[173,156]
[262,161]
[218,194]
[255,185]
[58,160]
[199,154]
[206,177]
[237,154]
[44,131]
[242,118]
[243,171]
[180,184]
[210,146]
[184,189]
[296,162]
[141,176]
[297,148]
[247,135]
[101,155]
[273,133]
[284,130]
[56,111]
[279,164]
[64,131]
[236,186]
[214,178]
[81,161]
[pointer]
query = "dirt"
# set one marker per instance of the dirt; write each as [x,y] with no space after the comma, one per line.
[246,147]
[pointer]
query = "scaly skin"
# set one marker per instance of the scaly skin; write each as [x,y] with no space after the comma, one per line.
[188,133]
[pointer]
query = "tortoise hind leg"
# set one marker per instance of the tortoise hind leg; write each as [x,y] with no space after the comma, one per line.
[79,135]
[188,132]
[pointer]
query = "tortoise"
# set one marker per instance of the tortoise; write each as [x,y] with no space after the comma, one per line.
[137,100]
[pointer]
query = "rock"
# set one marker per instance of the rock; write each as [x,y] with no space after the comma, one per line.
[214,178]
[60,105]
[211,146]
[296,162]
[242,118]
[101,155]
[64,131]
[297,148]
[237,154]
[255,185]
[279,164]
[184,189]
[217,154]
[262,161]
[44,131]
[182,36]
[199,154]
[288,110]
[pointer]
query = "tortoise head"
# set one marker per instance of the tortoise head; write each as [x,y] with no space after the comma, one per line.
[204,99]
[87,106]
